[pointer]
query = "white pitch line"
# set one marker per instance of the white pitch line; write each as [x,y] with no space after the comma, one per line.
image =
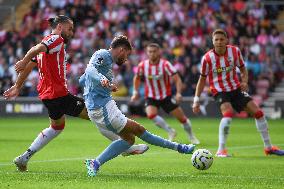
[146,154]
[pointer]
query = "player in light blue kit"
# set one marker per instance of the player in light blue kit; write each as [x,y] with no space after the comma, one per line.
[103,111]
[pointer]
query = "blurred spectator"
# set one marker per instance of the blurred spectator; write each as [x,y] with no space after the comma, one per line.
[182,28]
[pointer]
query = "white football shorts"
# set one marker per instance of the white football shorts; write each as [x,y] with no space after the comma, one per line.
[108,117]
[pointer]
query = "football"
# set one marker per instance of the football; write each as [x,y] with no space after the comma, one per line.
[202,159]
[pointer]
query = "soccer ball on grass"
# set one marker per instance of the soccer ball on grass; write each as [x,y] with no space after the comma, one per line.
[202,159]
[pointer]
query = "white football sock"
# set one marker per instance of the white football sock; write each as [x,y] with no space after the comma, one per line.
[261,125]
[224,128]
[187,127]
[42,139]
[160,122]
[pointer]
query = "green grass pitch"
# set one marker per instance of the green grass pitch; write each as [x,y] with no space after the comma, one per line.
[60,163]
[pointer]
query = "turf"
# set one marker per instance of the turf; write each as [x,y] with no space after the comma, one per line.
[60,163]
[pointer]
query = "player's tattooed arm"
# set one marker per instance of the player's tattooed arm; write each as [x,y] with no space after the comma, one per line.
[14,91]
[35,50]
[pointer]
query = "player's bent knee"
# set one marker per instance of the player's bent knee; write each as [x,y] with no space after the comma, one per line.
[151,116]
[228,114]
[183,120]
[130,139]
[139,130]
[58,127]
[258,114]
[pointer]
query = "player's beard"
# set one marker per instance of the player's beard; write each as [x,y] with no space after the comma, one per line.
[65,37]
[155,60]
[220,49]
[120,61]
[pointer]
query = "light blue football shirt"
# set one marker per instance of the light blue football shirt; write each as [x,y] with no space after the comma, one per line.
[99,66]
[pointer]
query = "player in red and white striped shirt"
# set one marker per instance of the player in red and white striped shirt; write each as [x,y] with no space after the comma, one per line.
[220,65]
[157,73]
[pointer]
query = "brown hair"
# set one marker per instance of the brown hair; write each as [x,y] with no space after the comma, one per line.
[153,45]
[121,41]
[53,22]
[219,31]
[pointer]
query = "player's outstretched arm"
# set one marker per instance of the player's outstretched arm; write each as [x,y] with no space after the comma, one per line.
[14,91]
[178,84]
[35,50]
[199,88]
[136,84]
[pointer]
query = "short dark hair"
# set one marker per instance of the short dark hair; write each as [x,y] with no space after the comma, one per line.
[220,31]
[53,22]
[121,40]
[153,45]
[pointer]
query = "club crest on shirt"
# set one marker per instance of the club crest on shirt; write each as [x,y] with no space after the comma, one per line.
[155,77]
[100,61]
[223,69]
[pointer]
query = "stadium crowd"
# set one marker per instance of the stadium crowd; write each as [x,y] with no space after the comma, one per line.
[183,29]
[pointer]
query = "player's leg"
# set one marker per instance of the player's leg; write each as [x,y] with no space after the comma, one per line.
[224,102]
[127,134]
[139,131]
[224,128]
[262,127]
[108,118]
[57,124]
[44,137]
[127,129]
[76,107]
[186,124]
[135,149]
[152,113]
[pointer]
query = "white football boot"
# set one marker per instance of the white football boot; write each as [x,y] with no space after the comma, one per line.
[136,150]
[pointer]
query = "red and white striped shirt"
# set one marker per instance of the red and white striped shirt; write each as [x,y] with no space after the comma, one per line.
[52,68]
[222,69]
[157,78]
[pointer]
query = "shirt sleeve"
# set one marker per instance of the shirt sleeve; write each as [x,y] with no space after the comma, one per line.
[97,60]
[53,43]
[240,59]
[170,69]
[204,67]
[100,58]
[82,80]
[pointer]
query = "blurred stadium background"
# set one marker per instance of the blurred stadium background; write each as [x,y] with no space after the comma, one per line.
[182,27]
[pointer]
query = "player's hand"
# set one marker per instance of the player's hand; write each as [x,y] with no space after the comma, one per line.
[196,107]
[113,87]
[105,82]
[134,97]
[13,92]
[20,66]
[178,98]
[244,87]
